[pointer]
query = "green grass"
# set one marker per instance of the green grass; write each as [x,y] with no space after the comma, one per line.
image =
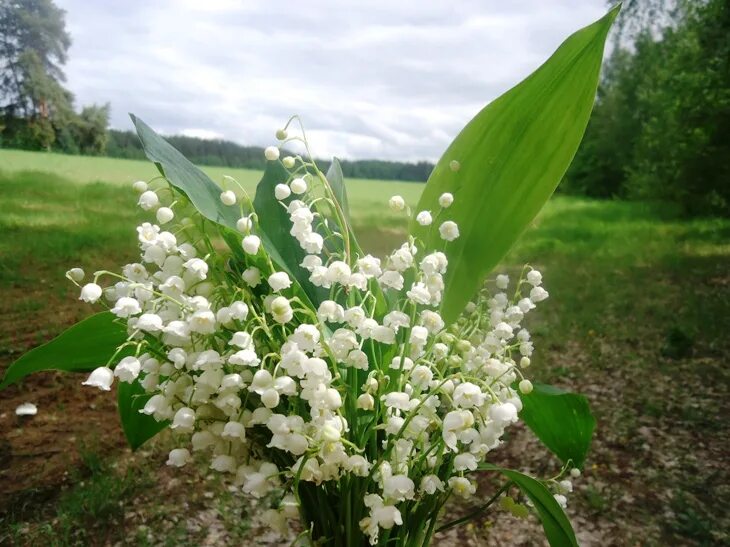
[638,319]
[88,169]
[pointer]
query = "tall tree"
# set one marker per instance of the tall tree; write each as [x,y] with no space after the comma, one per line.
[33,48]
[661,124]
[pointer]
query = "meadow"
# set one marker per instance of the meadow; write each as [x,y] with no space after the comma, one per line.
[637,320]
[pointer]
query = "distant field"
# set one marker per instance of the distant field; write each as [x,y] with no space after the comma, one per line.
[369,197]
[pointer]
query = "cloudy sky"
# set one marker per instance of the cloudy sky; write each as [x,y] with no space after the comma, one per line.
[372,79]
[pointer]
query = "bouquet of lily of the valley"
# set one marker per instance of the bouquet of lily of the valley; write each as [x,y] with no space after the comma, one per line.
[355,393]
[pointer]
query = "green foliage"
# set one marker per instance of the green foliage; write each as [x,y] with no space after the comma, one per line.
[561,420]
[33,48]
[37,111]
[337,182]
[89,129]
[205,196]
[33,134]
[557,527]
[274,231]
[512,156]
[83,347]
[138,428]
[661,123]
[183,175]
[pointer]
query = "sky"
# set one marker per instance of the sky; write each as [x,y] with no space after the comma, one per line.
[383,79]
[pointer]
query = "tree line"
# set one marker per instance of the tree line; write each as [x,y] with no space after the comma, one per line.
[218,152]
[660,129]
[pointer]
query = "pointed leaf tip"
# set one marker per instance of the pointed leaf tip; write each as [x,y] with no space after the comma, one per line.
[511,157]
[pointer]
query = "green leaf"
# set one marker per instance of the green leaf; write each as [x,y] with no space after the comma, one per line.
[186,177]
[561,420]
[555,523]
[512,156]
[275,224]
[85,346]
[205,196]
[337,183]
[138,428]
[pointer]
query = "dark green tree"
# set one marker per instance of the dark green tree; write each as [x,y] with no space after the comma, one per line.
[37,110]
[661,124]
[33,48]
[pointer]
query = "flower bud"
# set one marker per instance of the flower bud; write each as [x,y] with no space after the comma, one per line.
[454,165]
[251,244]
[534,278]
[424,218]
[463,346]
[228,197]
[446,199]
[288,162]
[298,186]
[184,419]
[282,191]
[164,215]
[448,338]
[449,230]
[397,203]
[75,274]
[270,398]
[271,153]
[148,200]
[281,134]
[371,385]
[128,369]
[279,281]
[330,434]
[526,386]
[140,186]
[244,224]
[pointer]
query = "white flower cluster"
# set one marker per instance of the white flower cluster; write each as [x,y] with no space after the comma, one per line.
[368,384]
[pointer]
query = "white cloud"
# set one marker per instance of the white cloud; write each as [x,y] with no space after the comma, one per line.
[385,79]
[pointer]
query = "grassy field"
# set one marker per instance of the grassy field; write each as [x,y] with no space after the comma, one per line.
[371,195]
[637,320]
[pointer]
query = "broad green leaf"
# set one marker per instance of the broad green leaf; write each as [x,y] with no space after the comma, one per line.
[336,180]
[337,183]
[85,346]
[274,222]
[511,156]
[561,420]
[205,196]
[137,427]
[186,177]
[555,523]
